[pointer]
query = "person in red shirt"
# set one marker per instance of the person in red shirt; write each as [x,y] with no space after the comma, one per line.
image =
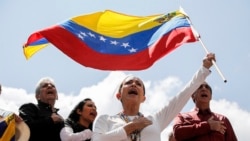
[202,124]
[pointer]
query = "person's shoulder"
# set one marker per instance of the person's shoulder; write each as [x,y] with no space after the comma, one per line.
[189,114]
[103,116]
[69,123]
[108,117]
[28,105]
[219,116]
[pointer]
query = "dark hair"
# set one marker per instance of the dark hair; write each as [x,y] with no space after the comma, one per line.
[74,116]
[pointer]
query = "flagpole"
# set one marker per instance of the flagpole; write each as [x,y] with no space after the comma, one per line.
[214,63]
[197,35]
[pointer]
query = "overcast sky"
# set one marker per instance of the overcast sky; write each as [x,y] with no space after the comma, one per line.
[224,29]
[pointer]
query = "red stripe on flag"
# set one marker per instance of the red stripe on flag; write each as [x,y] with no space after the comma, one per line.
[81,53]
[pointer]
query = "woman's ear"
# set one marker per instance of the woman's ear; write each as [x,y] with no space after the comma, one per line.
[144,98]
[118,96]
[193,97]
[78,111]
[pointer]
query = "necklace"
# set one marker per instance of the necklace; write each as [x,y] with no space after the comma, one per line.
[135,135]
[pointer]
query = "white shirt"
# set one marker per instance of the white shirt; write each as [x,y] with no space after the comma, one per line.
[5,113]
[67,134]
[110,128]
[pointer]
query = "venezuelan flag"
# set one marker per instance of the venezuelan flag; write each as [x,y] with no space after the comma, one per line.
[7,128]
[110,40]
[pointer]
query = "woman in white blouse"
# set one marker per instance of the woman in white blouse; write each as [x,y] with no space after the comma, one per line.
[130,124]
[78,125]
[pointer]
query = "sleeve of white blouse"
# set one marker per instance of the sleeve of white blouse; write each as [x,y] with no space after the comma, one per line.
[67,134]
[102,130]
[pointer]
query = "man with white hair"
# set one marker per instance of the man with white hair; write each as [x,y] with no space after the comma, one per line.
[42,118]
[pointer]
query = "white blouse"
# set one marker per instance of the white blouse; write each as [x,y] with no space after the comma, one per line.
[67,134]
[110,128]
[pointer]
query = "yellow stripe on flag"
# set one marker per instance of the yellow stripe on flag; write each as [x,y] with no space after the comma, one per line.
[9,132]
[115,24]
[31,50]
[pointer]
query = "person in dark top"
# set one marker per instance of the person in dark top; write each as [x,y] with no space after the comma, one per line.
[202,124]
[42,118]
[78,125]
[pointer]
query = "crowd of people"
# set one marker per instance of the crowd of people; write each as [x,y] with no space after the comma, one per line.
[130,124]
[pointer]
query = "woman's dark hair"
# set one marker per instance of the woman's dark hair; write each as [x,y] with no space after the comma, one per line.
[74,116]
